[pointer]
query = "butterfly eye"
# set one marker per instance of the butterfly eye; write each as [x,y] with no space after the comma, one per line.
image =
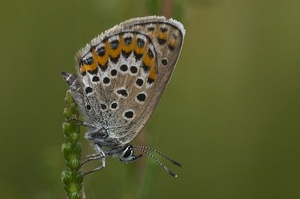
[127,154]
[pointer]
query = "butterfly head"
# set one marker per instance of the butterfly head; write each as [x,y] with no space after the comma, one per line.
[127,154]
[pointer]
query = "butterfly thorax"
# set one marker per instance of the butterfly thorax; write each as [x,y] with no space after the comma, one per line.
[103,138]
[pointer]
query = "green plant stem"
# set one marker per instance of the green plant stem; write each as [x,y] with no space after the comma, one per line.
[72,178]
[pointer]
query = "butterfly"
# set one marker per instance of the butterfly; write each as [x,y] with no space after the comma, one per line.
[121,76]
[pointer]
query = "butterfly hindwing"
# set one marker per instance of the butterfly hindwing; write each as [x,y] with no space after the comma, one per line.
[123,73]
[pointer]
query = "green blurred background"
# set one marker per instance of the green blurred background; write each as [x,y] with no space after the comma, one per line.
[230,114]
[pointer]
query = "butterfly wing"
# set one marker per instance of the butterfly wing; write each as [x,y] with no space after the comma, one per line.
[167,37]
[123,73]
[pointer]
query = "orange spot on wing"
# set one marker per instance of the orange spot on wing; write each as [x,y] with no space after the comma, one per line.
[124,47]
[152,74]
[162,35]
[102,60]
[148,61]
[113,53]
[136,48]
[90,67]
[153,33]
[173,42]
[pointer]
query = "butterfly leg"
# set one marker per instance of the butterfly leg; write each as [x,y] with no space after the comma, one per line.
[100,155]
[90,158]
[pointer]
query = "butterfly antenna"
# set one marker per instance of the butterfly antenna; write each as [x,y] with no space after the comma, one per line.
[143,149]
[160,153]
